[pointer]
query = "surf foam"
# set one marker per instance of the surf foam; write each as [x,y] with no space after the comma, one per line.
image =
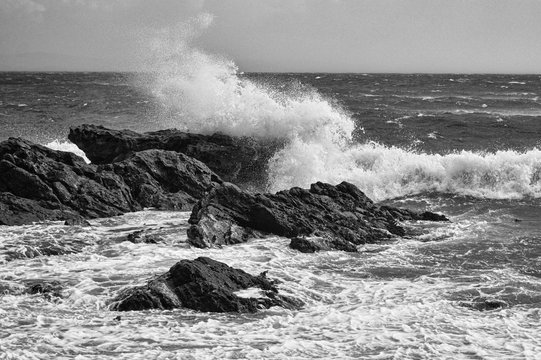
[67,146]
[387,172]
[203,93]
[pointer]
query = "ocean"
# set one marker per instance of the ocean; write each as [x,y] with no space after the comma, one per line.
[468,146]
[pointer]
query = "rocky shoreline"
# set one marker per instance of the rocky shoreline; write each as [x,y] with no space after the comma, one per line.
[218,178]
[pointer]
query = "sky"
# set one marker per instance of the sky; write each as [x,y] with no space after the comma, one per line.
[429,36]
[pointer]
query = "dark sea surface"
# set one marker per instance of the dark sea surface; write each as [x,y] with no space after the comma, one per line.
[468,146]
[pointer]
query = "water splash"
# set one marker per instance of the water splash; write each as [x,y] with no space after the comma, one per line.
[388,172]
[204,93]
[67,146]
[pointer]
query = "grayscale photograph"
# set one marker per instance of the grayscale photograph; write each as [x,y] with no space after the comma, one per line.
[270,179]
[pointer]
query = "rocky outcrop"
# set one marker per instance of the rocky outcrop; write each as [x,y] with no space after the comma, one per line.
[37,183]
[241,160]
[206,285]
[337,217]
[163,179]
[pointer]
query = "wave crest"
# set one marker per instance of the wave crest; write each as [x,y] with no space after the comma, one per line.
[204,93]
[387,172]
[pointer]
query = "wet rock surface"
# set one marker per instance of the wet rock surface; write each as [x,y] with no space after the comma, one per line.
[37,184]
[314,244]
[339,217]
[241,160]
[203,284]
[163,179]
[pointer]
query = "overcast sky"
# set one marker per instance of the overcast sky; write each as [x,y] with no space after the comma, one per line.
[281,35]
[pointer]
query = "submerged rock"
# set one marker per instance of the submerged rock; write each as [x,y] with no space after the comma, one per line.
[144,237]
[242,160]
[32,248]
[313,244]
[339,217]
[484,304]
[38,183]
[202,284]
[49,289]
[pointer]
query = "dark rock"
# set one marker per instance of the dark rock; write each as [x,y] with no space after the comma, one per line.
[242,160]
[202,284]
[405,214]
[164,179]
[38,183]
[58,181]
[141,236]
[50,289]
[16,210]
[314,244]
[342,215]
[484,304]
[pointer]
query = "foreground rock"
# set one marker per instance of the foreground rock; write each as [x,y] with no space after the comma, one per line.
[335,217]
[242,160]
[37,183]
[205,285]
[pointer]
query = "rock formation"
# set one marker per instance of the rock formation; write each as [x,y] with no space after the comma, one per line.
[241,160]
[340,217]
[203,284]
[37,183]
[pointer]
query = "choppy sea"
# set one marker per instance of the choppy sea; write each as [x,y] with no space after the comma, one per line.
[468,146]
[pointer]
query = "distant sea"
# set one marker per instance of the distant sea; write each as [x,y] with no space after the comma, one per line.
[468,146]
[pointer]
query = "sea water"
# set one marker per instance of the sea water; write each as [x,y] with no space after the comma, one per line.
[464,145]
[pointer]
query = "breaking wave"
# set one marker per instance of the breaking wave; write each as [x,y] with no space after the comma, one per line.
[204,93]
[388,172]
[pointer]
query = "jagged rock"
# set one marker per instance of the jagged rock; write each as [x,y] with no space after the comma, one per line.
[38,183]
[202,284]
[164,179]
[242,160]
[343,215]
[16,210]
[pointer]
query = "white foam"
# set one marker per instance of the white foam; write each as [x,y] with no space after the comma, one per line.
[202,93]
[387,172]
[67,146]
[249,293]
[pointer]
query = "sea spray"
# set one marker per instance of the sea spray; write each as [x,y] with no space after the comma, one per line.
[203,93]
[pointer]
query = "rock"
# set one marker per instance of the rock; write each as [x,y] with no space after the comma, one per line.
[57,181]
[30,248]
[38,183]
[202,284]
[314,244]
[242,160]
[164,179]
[485,304]
[16,210]
[340,217]
[141,236]
[49,289]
